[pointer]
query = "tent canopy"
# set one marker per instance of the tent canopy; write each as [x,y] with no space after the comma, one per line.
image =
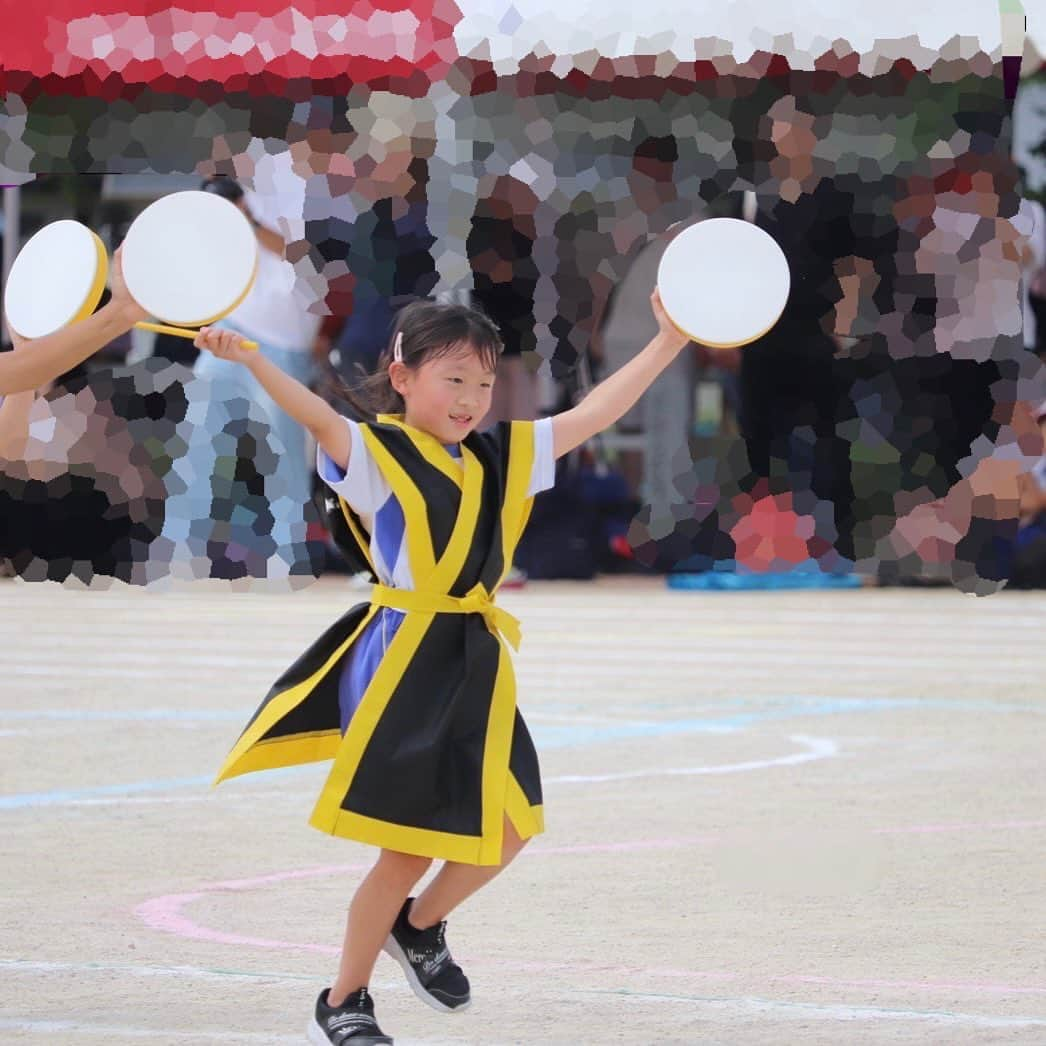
[172,47]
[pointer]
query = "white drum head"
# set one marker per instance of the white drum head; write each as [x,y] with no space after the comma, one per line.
[189,258]
[57,279]
[724,282]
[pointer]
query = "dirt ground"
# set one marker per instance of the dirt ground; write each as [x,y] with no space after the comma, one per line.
[773,818]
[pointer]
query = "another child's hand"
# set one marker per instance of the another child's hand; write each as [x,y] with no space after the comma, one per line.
[669,333]
[226,344]
[118,289]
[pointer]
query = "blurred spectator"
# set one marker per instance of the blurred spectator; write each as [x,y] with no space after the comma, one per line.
[276,317]
[500,249]
[391,264]
[790,386]
[85,494]
[1029,559]
[944,373]
[1034,280]
[666,412]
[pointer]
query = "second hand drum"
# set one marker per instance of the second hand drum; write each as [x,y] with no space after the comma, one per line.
[189,259]
[724,282]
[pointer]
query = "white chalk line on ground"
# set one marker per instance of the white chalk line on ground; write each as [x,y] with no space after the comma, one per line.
[816,748]
[120,1031]
[15,966]
[741,1005]
[107,1032]
[746,1006]
[199,972]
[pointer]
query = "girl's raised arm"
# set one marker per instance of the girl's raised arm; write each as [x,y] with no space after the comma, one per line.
[611,398]
[14,415]
[327,426]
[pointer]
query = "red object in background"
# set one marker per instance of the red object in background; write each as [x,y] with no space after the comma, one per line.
[171,48]
[771,535]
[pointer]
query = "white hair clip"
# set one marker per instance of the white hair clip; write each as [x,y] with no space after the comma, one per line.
[397,348]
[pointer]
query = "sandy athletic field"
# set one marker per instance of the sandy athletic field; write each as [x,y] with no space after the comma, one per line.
[772,818]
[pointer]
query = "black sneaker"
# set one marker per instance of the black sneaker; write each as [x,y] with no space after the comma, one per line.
[350,1024]
[435,977]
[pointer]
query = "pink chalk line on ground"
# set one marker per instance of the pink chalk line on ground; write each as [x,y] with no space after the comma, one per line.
[165,914]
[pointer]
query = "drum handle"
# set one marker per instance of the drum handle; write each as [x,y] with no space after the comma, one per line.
[182,332]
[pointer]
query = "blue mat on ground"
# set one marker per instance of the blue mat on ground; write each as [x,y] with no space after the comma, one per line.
[716,580]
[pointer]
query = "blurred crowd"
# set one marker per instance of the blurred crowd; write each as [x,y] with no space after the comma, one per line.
[884,426]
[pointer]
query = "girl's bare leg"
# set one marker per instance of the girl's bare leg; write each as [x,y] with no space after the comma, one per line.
[455,883]
[371,915]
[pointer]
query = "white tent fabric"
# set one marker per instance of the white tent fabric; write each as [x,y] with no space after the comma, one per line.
[505,31]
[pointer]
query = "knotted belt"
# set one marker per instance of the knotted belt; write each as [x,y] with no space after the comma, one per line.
[477,601]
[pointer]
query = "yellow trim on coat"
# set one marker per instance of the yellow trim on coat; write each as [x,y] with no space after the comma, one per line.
[516,507]
[421,842]
[419,538]
[454,555]
[434,452]
[496,751]
[365,719]
[526,819]
[362,539]
[290,751]
[282,704]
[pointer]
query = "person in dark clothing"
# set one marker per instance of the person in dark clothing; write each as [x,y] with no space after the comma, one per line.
[790,386]
[500,249]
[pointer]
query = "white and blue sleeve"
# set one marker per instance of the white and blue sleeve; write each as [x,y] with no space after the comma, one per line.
[361,484]
[543,474]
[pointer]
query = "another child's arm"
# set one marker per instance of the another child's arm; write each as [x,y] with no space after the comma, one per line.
[327,426]
[14,415]
[612,398]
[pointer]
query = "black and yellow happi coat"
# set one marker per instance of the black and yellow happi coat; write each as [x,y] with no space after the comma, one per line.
[437,754]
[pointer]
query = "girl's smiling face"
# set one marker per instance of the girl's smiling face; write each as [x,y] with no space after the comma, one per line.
[447,396]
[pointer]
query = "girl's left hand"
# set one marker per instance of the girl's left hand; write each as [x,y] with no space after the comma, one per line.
[226,344]
[668,332]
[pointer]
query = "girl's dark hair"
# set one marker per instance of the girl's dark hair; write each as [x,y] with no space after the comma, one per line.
[223,185]
[430,330]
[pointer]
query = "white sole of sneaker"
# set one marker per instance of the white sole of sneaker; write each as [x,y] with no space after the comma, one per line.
[316,1034]
[396,952]
[318,1037]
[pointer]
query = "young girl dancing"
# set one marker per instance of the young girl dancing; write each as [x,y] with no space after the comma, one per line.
[413,694]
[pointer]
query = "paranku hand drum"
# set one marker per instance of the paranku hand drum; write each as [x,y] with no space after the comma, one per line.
[57,279]
[190,258]
[724,282]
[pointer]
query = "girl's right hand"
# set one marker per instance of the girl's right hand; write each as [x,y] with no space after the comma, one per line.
[669,333]
[226,344]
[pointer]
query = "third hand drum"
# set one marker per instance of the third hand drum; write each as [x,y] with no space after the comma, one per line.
[724,282]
